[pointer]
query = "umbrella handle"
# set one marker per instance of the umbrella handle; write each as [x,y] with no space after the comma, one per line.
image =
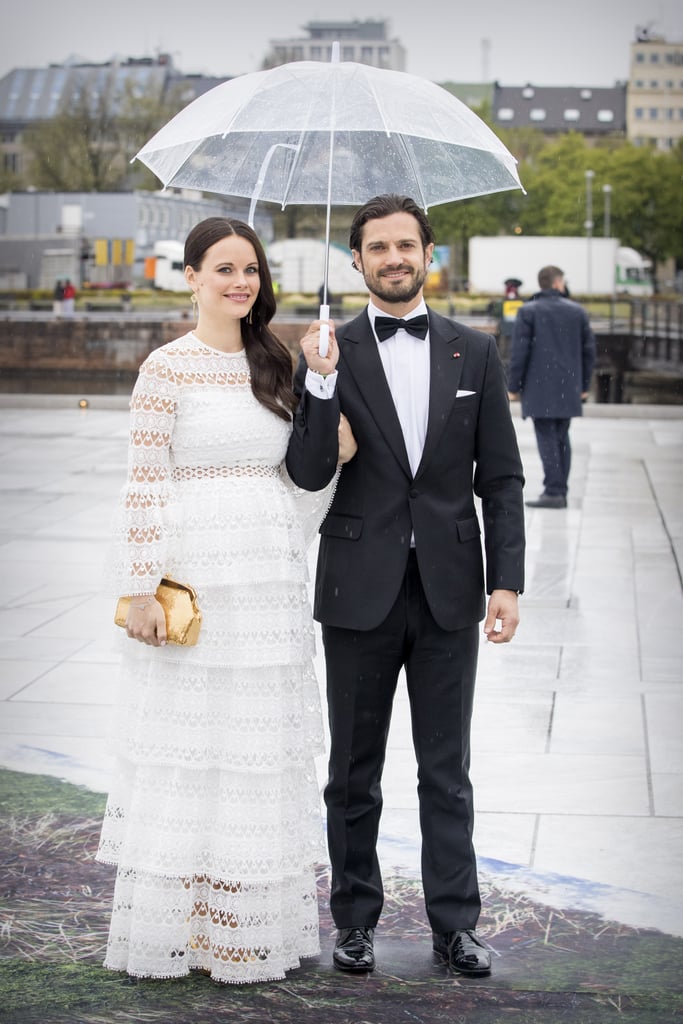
[324,330]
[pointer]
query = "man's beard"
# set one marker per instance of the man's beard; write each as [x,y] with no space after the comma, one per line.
[404,292]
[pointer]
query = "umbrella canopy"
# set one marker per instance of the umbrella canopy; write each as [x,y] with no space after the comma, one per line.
[333,134]
[340,133]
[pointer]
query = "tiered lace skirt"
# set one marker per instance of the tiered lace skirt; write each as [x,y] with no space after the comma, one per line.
[214,817]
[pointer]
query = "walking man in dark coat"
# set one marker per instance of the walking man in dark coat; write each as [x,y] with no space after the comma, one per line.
[401,581]
[551,362]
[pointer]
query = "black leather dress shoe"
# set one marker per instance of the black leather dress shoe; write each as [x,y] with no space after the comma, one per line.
[353,950]
[463,952]
[548,501]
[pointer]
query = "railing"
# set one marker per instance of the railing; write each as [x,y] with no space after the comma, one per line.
[640,351]
[657,319]
[650,319]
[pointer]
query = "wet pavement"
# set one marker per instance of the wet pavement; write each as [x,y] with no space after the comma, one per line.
[577,751]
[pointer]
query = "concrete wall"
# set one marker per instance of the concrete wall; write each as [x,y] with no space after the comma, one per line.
[109,347]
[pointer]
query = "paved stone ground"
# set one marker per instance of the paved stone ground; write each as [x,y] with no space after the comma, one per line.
[577,753]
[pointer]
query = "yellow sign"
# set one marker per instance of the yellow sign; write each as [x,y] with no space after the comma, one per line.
[101,252]
[510,307]
[115,251]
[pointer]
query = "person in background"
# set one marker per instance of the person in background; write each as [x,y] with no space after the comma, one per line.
[400,581]
[213,819]
[332,300]
[69,299]
[57,300]
[551,363]
[510,305]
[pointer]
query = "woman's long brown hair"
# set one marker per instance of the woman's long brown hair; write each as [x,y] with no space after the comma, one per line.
[270,363]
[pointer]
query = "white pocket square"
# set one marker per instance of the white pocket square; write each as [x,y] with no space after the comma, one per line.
[464,394]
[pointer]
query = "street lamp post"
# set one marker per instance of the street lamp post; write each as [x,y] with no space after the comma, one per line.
[607,193]
[588,225]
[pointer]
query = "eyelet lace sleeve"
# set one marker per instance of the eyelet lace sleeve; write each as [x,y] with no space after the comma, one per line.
[311,506]
[142,523]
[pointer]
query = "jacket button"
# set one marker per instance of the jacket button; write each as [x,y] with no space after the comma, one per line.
[414,493]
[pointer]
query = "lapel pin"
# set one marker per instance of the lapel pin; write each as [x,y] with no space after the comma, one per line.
[456,355]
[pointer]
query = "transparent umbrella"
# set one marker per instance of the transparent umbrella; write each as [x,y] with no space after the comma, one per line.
[329,134]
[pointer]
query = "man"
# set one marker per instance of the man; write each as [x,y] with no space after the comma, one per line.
[551,362]
[400,579]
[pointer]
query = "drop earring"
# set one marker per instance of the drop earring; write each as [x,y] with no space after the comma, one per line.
[250,318]
[193,300]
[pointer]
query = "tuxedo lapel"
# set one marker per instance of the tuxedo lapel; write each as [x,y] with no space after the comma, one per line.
[358,349]
[445,371]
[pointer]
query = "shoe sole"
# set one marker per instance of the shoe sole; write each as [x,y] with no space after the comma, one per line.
[480,972]
[353,970]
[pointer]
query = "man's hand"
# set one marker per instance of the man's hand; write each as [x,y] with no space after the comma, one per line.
[310,346]
[503,607]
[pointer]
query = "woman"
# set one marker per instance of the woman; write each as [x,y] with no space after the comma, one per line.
[68,299]
[214,817]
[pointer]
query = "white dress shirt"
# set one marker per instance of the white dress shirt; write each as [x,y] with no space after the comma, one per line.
[405,359]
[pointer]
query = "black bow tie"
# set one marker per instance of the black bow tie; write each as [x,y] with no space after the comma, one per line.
[386,326]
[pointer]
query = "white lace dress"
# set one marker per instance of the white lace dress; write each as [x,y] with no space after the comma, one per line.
[214,816]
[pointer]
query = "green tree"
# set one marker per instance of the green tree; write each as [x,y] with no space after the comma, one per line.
[647,211]
[79,149]
[9,180]
[645,197]
[455,223]
[555,183]
[88,145]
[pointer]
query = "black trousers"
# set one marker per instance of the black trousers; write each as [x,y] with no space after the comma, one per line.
[554,447]
[362,673]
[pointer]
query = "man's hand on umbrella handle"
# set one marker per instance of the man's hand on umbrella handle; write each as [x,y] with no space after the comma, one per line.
[324,315]
[311,348]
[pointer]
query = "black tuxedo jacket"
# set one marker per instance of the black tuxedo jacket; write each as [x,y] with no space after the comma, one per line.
[470,449]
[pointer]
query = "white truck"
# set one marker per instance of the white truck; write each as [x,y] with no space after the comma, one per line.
[166,268]
[298,265]
[595,266]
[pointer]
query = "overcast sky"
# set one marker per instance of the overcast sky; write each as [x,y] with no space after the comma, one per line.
[583,42]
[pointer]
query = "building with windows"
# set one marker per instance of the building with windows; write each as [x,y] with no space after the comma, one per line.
[29,96]
[654,110]
[554,110]
[647,109]
[99,239]
[364,42]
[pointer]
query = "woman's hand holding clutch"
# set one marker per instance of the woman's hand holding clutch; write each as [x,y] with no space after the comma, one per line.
[146,621]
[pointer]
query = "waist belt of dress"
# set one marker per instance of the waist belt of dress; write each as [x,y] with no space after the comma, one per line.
[211,472]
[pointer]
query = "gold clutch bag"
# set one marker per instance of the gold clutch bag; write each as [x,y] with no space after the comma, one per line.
[179,601]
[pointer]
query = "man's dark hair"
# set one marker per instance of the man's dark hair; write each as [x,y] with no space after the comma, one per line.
[384,206]
[547,276]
